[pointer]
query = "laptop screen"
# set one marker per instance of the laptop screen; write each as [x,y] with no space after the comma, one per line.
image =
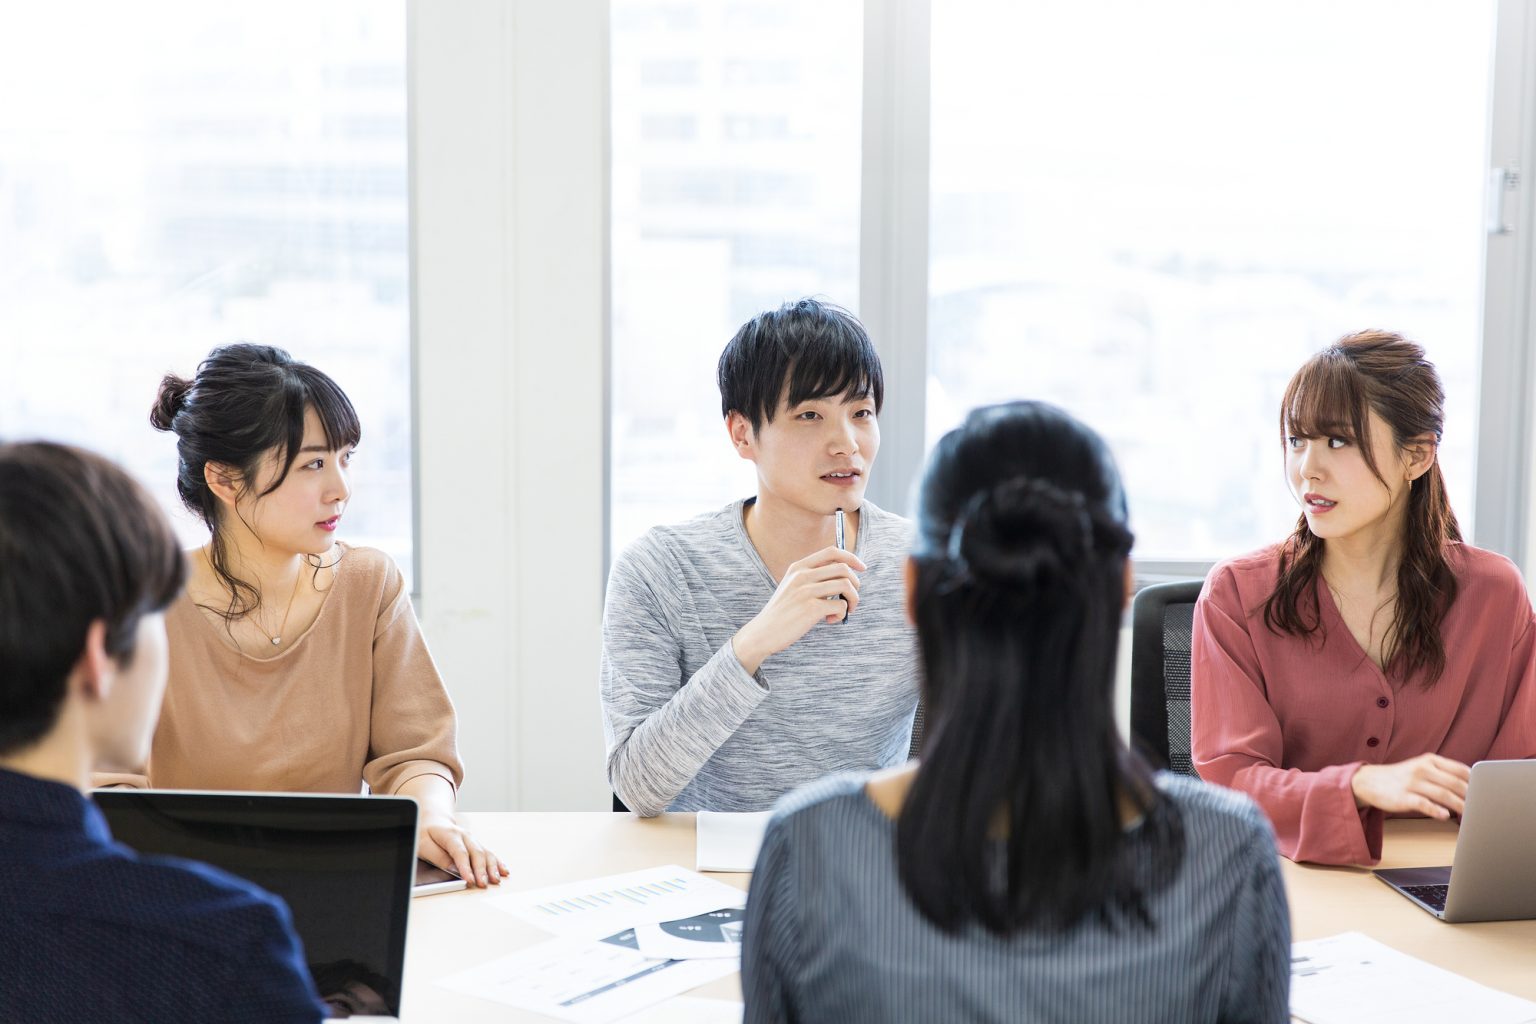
[343,864]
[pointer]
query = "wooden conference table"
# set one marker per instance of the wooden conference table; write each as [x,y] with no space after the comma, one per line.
[455,931]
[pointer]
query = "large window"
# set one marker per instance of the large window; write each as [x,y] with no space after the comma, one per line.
[181,175]
[736,130]
[1151,214]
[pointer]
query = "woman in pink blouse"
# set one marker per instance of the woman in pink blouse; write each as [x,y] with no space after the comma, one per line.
[1358,668]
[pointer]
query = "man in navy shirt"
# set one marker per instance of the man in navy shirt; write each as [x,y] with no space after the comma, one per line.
[89,930]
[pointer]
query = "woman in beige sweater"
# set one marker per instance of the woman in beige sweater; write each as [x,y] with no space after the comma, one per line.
[296,660]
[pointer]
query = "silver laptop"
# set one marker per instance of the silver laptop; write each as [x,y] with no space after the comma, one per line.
[343,864]
[1493,874]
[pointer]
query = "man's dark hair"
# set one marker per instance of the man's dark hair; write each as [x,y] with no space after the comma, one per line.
[800,351]
[79,541]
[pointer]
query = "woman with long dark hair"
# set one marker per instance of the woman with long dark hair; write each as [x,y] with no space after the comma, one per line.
[1357,668]
[296,660]
[1029,867]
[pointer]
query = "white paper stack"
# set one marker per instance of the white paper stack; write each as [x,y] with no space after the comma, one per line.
[1352,979]
[626,942]
[730,841]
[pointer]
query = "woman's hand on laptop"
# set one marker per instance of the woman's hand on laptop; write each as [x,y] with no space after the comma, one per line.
[1429,784]
[444,842]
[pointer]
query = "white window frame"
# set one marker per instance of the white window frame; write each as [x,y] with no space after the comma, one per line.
[894,273]
[1503,520]
[511,332]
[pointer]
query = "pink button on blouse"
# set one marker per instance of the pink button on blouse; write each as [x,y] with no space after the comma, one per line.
[1289,719]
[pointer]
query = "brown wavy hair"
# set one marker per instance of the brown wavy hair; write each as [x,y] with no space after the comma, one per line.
[1331,396]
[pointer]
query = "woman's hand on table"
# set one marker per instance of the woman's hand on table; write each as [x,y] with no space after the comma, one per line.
[450,846]
[1429,784]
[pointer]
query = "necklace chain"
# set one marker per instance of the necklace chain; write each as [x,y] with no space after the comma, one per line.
[277,638]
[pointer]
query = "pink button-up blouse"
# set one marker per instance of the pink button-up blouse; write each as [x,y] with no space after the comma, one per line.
[1288,719]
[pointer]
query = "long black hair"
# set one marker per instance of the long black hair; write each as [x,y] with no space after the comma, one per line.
[245,401]
[1015,816]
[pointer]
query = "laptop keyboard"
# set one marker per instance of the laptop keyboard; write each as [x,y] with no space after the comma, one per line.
[1433,895]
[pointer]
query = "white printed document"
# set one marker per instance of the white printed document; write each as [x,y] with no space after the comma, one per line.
[584,982]
[689,1010]
[729,841]
[1353,979]
[596,908]
[712,936]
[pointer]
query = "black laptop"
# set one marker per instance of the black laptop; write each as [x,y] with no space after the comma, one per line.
[343,864]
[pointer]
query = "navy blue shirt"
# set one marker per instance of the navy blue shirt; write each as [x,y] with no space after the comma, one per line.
[91,931]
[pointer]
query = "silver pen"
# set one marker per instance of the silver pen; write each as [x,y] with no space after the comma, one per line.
[842,545]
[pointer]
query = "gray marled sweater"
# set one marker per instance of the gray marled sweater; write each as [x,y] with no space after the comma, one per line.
[688,729]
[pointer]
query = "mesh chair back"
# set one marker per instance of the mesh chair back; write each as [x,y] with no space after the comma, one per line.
[1162,619]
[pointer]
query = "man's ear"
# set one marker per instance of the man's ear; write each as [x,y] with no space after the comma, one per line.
[96,671]
[909,581]
[223,480]
[742,435]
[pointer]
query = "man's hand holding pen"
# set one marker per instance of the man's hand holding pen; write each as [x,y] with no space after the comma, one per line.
[799,603]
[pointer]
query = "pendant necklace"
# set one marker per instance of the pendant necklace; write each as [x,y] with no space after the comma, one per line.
[277,639]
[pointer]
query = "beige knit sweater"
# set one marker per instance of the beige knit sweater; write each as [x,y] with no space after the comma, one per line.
[356,699]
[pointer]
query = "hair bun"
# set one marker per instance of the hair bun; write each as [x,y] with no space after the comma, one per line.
[1023,532]
[170,401]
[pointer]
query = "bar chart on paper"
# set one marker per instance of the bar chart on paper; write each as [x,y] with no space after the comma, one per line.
[597,907]
[641,895]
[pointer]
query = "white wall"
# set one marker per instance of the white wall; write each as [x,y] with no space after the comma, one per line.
[509,201]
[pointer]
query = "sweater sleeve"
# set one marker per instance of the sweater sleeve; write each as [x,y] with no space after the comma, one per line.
[771,933]
[412,728]
[119,780]
[659,727]
[1235,740]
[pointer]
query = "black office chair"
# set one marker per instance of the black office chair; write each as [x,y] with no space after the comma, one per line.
[1161,623]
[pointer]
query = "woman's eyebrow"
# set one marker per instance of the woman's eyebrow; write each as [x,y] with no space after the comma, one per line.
[1334,429]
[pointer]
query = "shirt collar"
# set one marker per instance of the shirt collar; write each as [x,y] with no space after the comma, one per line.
[29,800]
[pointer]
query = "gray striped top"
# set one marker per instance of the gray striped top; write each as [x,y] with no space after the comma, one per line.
[832,936]
[688,729]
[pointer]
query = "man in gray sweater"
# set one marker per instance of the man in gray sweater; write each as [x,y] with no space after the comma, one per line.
[744,651]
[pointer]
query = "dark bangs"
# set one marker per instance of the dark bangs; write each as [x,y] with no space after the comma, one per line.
[303,388]
[839,363]
[801,351]
[1326,399]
